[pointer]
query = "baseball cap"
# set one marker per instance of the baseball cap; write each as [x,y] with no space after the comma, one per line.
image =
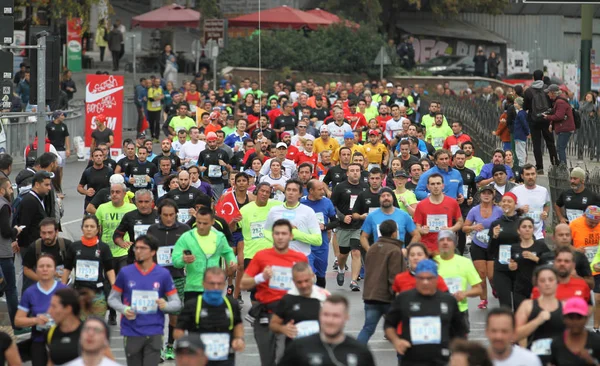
[141,135]
[401,174]
[592,212]
[447,234]
[552,88]
[489,187]
[387,190]
[58,113]
[285,133]
[426,265]
[250,172]
[575,305]
[374,132]
[324,128]
[281,144]
[211,136]
[190,342]
[101,117]
[116,179]
[349,135]
[389,85]
[578,173]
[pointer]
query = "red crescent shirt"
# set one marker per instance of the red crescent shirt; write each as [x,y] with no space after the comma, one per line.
[576,287]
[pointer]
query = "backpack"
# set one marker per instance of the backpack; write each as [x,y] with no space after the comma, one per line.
[539,104]
[105,36]
[199,310]
[61,245]
[31,153]
[576,118]
[15,206]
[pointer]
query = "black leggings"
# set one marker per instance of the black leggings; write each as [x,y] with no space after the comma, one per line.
[504,284]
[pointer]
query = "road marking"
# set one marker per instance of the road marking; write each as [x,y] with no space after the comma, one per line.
[71,222]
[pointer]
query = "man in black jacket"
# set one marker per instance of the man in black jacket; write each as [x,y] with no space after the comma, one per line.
[30,212]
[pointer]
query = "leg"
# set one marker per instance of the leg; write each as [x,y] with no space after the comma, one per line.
[521,151]
[19,269]
[118,263]
[480,266]
[102,49]
[240,269]
[152,350]
[12,300]
[39,355]
[335,245]
[536,140]
[596,301]
[373,313]
[265,342]
[550,145]
[134,350]
[217,190]
[462,242]
[342,259]
[506,146]
[563,141]
[320,264]
[503,286]
[356,263]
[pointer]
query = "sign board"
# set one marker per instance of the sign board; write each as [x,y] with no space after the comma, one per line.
[7,91]
[74,48]
[6,65]
[215,29]
[7,29]
[104,95]
[382,58]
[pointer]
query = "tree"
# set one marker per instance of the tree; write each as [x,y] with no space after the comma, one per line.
[384,13]
[56,11]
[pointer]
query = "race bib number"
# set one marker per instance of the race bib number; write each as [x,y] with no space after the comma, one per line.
[541,347]
[320,217]
[193,107]
[155,104]
[139,230]
[454,148]
[217,345]
[436,222]
[183,215]
[144,302]
[483,236]
[535,215]
[454,284]
[86,270]
[371,166]
[438,142]
[282,278]
[257,230]
[590,252]
[572,214]
[164,255]
[160,189]
[372,209]
[466,191]
[425,330]
[307,328]
[353,198]
[214,171]
[504,254]
[139,181]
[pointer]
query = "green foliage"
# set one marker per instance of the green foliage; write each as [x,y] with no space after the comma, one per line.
[60,10]
[336,49]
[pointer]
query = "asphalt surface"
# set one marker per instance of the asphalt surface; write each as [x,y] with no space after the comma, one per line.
[381,348]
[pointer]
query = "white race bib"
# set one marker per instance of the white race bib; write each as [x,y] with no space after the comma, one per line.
[483,236]
[572,214]
[307,328]
[436,222]
[504,254]
[438,142]
[454,148]
[353,198]
[425,330]
[86,270]
[160,189]
[320,217]
[257,230]
[139,230]
[282,278]
[155,104]
[217,345]
[144,302]
[541,347]
[454,284]
[372,165]
[535,215]
[590,253]
[465,191]
[139,181]
[183,215]
[164,255]
[214,171]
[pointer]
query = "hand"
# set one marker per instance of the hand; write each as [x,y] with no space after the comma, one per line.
[322,227]
[512,265]
[129,314]
[148,179]
[162,304]
[237,219]
[496,231]
[347,219]
[267,273]
[424,230]
[202,168]
[290,330]
[67,153]
[584,354]
[221,162]
[597,267]
[477,227]
[41,319]
[470,201]
[15,247]
[563,220]
[189,258]
[460,295]
[90,192]
[233,266]
[494,133]
[238,344]
[401,346]
[460,199]
[544,316]
[126,244]
[192,212]
[550,127]
[130,179]
[525,208]
[532,257]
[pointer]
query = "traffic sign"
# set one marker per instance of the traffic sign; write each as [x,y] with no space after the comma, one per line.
[215,29]
[382,58]
[6,65]
[7,92]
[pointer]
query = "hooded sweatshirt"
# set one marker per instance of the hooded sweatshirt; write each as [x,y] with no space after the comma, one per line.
[383,262]
[508,236]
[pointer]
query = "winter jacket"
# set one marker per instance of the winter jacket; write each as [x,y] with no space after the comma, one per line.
[167,236]
[521,127]
[115,38]
[502,131]
[562,116]
[383,262]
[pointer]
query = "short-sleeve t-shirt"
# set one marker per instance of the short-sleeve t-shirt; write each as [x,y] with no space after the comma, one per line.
[585,237]
[402,219]
[57,134]
[253,224]
[102,137]
[576,287]
[536,199]
[410,198]
[140,290]
[436,216]
[481,238]
[458,272]
[35,301]
[110,217]
[561,355]
[64,347]
[520,356]
[576,203]
[90,263]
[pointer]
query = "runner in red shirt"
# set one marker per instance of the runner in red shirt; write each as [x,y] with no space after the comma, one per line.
[454,143]
[436,212]
[568,285]
[270,271]
[405,281]
[356,119]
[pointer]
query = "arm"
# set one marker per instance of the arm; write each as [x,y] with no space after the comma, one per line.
[364,240]
[559,213]
[456,227]
[30,273]
[173,303]
[111,141]
[115,302]
[23,321]
[524,328]
[421,190]
[314,239]
[11,355]
[416,236]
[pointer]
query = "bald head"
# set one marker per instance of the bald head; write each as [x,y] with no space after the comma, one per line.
[316,189]
[562,235]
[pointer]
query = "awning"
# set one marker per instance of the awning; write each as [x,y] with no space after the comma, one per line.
[449,29]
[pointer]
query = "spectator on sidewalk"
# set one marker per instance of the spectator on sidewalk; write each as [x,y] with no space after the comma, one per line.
[68,85]
[561,119]
[23,88]
[502,131]
[115,38]
[480,60]
[102,37]
[521,132]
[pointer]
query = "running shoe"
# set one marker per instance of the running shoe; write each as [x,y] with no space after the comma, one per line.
[340,279]
[169,353]
[359,278]
[112,319]
[483,304]
[354,286]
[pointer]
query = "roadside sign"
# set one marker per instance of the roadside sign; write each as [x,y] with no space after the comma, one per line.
[6,96]
[6,65]
[215,29]
[382,58]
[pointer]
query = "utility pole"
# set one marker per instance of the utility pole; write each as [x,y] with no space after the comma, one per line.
[587,21]
[41,84]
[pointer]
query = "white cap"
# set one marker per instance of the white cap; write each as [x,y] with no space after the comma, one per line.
[116,179]
[389,85]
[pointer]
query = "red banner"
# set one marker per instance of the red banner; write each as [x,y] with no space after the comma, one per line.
[104,95]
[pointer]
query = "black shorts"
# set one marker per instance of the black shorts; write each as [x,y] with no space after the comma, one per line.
[253,291]
[597,284]
[479,254]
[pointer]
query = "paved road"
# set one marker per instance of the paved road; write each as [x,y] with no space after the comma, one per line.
[384,353]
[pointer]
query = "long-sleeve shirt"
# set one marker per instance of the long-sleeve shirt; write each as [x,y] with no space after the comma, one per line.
[307,232]
[453,183]
[486,172]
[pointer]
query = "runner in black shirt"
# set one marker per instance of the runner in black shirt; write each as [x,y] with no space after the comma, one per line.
[329,347]
[286,121]
[165,147]
[266,130]
[214,162]
[94,178]
[140,174]
[107,159]
[576,199]
[128,159]
[416,169]
[337,174]
[344,198]
[184,196]
[319,113]
[58,133]
[430,320]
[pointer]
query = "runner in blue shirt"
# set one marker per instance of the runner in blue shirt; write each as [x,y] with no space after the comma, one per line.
[139,294]
[453,182]
[326,214]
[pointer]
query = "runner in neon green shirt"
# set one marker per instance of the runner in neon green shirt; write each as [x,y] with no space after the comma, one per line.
[457,271]
[437,134]
[181,121]
[110,214]
[254,215]
[473,162]
[407,200]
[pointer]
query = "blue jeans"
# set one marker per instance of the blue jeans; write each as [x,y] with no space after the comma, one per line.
[373,312]
[506,146]
[12,300]
[561,146]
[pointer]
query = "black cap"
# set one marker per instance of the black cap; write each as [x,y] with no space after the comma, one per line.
[190,342]
[386,189]
[401,174]
[498,168]
[141,135]
[488,187]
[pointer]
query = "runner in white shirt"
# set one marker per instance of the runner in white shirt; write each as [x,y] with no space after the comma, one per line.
[276,179]
[338,127]
[190,151]
[500,331]
[181,139]
[533,199]
[394,125]
[289,167]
